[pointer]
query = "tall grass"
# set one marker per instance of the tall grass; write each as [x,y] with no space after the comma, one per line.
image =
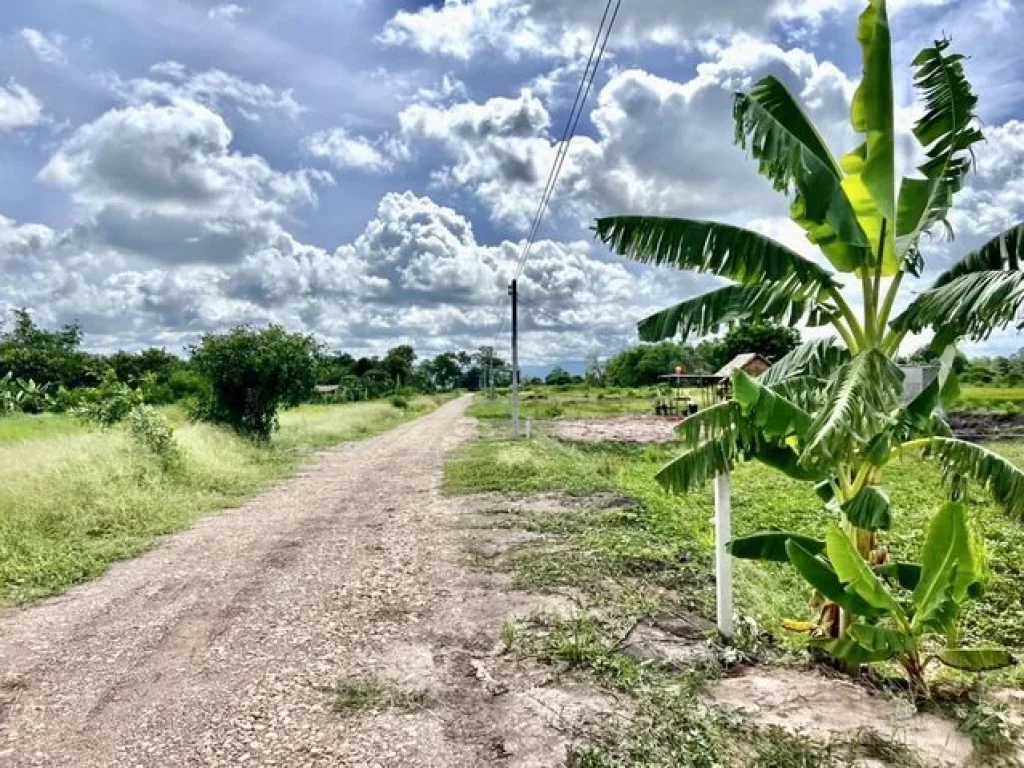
[72,503]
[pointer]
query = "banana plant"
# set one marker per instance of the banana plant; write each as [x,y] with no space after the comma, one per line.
[831,412]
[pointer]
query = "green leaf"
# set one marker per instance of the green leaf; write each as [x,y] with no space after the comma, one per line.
[820,575]
[950,565]
[984,291]
[869,509]
[712,423]
[772,545]
[865,389]
[855,573]
[818,358]
[976,659]
[873,106]
[785,460]
[960,460]
[692,469]
[880,642]
[849,650]
[947,132]
[907,575]
[791,154]
[739,254]
[785,302]
[773,414]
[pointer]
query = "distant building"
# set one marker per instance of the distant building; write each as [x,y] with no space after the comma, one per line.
[750,363]
[326,389]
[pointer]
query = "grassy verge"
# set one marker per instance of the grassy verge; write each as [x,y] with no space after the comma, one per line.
[576,402]
[665,530]
[1002,399]
[76,499]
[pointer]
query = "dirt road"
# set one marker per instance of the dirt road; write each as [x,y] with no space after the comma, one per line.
[219,646]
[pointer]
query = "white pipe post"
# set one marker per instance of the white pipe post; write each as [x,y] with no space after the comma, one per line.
[723,560]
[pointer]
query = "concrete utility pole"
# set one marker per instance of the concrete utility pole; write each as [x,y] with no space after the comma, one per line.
[723,560]
[514,293]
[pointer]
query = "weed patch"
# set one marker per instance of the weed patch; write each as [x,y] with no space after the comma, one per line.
[360,695]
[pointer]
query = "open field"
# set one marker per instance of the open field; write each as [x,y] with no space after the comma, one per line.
[574,402]
[991,398]
[664,530]
[75,498]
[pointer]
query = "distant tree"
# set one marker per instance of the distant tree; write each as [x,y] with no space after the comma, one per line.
[595,371]
[769,340]
[446,370]
[253,373]
[557,376]
[48,358]
[398,363]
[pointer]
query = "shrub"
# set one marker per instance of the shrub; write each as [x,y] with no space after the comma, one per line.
[400,402]
[252,373]
[108,403]
[152,431]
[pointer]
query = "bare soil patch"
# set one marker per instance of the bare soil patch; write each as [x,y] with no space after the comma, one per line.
[631,430]
[981,427]
[822,708]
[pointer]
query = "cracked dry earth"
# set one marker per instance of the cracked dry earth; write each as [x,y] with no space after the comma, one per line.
[217,647]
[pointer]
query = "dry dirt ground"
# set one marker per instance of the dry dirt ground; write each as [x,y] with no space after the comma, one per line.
[221,646]
[622,429]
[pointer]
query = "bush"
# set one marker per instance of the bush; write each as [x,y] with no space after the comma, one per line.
[253,373]
[108,403]
[152,431]
[400,402]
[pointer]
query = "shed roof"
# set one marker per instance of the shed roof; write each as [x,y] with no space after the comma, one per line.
[740,361]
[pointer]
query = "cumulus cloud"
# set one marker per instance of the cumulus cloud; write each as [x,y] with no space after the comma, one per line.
[347,152]
[162,181]
[19,108]
[660,145]
[49,48]
[416,272]
[172,81]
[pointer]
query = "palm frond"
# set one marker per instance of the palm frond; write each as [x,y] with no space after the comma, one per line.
[818,358]
[792,155]
[974,304]
[774,415]
[707,246]
[961,460]
[705,314]
[692,469]
[947,131]
[1003,252]
[864,390]
[711,423]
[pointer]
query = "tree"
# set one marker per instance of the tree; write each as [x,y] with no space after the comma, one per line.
[594,374]
[48,358]
[830,412]
[252,374]
[398,363]
[558,376]
[770,340]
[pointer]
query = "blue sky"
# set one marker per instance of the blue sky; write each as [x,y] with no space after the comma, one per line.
[365,170]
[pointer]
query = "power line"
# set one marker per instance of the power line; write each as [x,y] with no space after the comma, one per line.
[582,92]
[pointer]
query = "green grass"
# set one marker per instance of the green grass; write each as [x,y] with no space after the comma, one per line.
[359,695]
[575,403]
[18,427]
[991,398]
[73,502]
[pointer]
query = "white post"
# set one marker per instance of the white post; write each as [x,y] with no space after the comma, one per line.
[529,424]
[723,560]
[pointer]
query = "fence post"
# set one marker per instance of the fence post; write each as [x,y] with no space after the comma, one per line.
[723,560]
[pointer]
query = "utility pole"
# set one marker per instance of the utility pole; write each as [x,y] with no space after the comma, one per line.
[514,293]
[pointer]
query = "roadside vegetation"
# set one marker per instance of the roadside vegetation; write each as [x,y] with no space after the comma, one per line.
[75,497]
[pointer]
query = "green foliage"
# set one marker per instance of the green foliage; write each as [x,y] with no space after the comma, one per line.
[830,416]
[400,402]
[773,342]
[253,373]
[109,403]
[153,432]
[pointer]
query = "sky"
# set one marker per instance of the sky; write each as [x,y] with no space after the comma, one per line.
[366,170]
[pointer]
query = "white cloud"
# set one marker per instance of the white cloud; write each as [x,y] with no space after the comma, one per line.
[163,181]
[214,88]
[49,48]
[660,145]
[226,12]
[347,152]
[19,108]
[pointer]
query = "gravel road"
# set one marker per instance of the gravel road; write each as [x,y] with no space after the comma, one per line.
[217,647]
